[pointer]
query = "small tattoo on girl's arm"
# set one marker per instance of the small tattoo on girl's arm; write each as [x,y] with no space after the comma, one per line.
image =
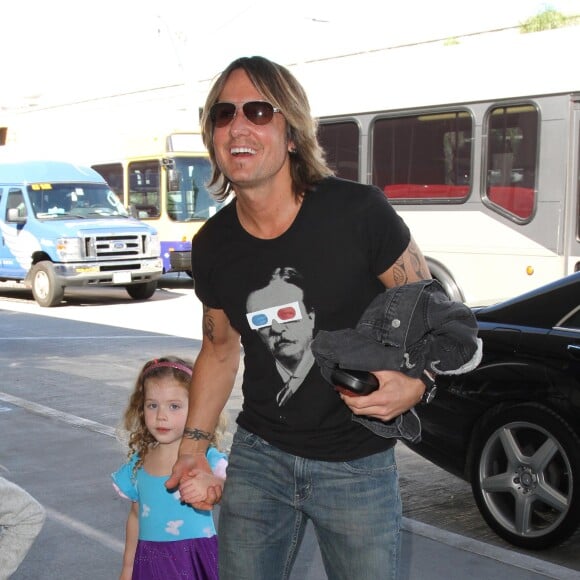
[196,434]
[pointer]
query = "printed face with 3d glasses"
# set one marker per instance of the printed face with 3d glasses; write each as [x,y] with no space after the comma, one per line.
[277,312]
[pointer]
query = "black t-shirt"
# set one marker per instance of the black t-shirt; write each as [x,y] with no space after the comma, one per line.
[319,274]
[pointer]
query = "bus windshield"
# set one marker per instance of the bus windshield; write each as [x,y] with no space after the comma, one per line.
[187,196]
[169,190]
[79,200]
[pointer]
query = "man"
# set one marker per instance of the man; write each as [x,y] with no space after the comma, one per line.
[306,460]
[278,313]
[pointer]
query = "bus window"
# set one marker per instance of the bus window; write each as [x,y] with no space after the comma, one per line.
[144,188]
[340,143]
[423,157]
[113,174]
[511,159]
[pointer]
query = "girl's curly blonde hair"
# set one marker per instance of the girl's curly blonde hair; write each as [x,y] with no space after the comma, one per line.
[140,440]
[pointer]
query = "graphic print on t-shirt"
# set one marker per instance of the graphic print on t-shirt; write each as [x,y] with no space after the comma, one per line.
[279,313]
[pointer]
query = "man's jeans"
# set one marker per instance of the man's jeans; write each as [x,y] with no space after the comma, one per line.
[269,495]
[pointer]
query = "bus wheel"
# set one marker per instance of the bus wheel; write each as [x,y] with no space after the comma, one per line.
[45,288]
[444,277]
[142,291]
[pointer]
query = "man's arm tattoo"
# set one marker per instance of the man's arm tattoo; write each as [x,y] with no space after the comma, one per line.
[399,274]
[208,324]
[197,434]
[417,262]
[410,261]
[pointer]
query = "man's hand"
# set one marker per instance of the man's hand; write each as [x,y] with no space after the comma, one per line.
[184,464]
[396,394]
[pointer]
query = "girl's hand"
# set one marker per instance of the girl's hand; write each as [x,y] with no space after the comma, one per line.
[201,489]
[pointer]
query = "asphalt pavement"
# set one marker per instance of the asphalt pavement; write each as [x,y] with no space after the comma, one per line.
[66,375]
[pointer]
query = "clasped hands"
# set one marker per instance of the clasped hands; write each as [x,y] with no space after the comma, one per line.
[197,485]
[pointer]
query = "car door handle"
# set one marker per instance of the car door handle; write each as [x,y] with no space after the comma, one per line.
[574,350]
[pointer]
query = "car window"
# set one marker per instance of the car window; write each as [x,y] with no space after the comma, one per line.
[572,321]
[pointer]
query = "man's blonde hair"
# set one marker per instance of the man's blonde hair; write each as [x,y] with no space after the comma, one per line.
[279,87]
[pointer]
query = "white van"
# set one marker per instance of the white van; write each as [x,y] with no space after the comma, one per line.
[62,225]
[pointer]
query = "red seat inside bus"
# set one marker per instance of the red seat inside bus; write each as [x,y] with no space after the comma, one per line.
[516,200]
[422,191]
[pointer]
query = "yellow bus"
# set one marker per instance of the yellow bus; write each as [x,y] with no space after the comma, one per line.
[166,188]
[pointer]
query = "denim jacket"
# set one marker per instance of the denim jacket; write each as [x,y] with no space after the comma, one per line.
[408,328]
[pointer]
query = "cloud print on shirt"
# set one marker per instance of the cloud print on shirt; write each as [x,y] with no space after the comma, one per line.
[173,527]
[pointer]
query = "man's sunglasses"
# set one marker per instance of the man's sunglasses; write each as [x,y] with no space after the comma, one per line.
[257,112]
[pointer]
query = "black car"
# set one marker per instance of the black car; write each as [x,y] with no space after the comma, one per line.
[511,427]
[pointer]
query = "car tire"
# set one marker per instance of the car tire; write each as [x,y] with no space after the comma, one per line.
[46,290]
[142,291]
[525,475]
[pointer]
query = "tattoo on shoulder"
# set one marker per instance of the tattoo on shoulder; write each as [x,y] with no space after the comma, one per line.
[197,434]
[417,262]
[208,324]
[399,273]
[410,265]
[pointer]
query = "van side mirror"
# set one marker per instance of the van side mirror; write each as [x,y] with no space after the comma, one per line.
[15,217]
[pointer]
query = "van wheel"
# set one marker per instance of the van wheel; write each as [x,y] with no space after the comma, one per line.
[142,291]
[46,290]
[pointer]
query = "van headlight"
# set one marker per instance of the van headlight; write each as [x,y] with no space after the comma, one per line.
[68,249]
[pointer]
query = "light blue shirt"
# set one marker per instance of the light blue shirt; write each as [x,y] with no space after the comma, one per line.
[162,515]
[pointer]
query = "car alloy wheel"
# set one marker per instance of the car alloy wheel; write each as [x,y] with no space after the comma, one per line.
[525,475]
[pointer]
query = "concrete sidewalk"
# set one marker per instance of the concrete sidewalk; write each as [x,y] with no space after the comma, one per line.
[430,553]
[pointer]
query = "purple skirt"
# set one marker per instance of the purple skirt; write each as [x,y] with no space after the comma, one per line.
[184,560]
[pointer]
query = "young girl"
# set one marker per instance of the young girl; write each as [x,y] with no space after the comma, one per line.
[165,537]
